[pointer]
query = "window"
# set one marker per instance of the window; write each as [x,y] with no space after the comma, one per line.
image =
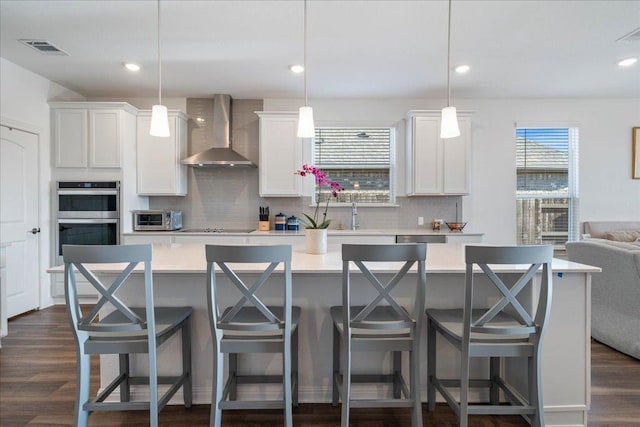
[360,159]
[547,185]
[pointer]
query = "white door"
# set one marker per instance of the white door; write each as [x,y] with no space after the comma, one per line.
[18,217]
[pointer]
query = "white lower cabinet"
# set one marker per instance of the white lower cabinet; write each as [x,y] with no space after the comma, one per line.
[147,239]
[212,240]
[159,171]
[355,239]
[275,239]
[464,238]
[86,291]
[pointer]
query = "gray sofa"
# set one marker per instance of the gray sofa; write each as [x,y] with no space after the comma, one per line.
[615,292]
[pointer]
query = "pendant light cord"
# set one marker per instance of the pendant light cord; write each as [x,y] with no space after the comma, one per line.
[159,61]
[449,58]
[305,53]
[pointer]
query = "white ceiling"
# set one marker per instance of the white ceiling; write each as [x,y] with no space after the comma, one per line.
[356,49]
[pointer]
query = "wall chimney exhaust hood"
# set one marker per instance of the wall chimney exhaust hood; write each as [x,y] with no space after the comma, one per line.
[221,155]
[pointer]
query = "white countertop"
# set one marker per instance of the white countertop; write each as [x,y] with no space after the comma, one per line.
[441,258]
[359,232]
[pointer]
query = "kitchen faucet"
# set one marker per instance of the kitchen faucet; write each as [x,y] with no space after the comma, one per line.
[354,214]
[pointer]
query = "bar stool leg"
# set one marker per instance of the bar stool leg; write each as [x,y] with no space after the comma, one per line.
[84,382]
[187,386]
[125,386]
[431,365]
[494,374]
[335,396]
[286,376]
[346,378]
[294,366]
[216,389]
[233,375]
[464,388]
[397,373]
[414,356]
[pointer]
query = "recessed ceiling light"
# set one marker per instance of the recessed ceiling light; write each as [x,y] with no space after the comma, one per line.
[627,62]
[461,69]
[296,68]
[131,66]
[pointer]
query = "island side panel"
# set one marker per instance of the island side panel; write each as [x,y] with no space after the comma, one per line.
[566,353]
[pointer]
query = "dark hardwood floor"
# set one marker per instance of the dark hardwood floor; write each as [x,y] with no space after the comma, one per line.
[37,387]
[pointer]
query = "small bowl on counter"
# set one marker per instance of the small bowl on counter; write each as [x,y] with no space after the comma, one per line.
[456,226]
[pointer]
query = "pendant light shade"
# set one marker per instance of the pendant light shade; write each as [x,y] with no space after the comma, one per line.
[159,113]
[159,121]
[306,127]
[449,121]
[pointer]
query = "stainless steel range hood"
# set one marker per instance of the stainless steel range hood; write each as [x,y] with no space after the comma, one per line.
[221,155]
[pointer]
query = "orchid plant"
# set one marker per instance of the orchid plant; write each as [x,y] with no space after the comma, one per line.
[321,180]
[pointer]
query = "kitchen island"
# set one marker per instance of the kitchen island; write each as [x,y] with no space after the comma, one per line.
[180,279]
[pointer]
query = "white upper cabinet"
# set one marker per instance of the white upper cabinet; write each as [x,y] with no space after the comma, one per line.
[280,154]
[159,171]
[89,134]
[70,137]
[437,166]
[105,144]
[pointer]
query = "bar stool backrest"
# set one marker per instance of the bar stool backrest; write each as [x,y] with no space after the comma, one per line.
[530,321]
[410,254]
[86,259]
[272,256]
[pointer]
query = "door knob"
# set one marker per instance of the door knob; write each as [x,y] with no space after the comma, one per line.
[34,230]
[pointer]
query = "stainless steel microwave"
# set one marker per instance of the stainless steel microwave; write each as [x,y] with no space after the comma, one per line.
[157,220]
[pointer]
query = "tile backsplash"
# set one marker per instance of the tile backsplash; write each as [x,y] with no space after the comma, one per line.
[229,197]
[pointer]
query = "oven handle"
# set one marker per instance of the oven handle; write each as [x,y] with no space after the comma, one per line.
[88,221]
[87,193]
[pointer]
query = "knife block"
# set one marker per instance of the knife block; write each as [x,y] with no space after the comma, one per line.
[263,225]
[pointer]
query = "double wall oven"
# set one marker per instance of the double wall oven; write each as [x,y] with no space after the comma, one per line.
[88,214]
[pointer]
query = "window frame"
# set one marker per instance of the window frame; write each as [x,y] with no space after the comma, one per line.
[393,184]
[572,193]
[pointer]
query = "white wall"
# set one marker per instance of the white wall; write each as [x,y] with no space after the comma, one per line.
[23,105]
[607,191]
[606,188]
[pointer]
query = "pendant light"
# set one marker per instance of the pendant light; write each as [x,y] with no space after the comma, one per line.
[449,122]
[159,113]
[306,127]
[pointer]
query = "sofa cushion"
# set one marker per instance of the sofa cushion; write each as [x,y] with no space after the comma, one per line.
[623,235]
[630,246]
[596,229]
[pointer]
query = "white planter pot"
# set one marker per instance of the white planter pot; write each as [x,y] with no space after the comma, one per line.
[316,241]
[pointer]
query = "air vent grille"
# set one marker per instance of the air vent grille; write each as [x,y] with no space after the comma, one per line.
[44,47]
[633,36]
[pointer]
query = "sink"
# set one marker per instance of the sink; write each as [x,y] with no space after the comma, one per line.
[217,230]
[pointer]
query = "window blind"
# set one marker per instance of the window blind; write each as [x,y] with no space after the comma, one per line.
[547,185]
[361,148]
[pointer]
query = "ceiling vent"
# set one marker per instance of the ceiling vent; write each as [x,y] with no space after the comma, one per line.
[633,36]
[43,46]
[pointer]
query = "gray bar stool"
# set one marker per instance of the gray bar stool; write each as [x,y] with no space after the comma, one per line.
[382,325]
[124,331]
[250,326]
[506,329]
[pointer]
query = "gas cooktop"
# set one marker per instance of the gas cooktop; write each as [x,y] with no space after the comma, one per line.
[217,230]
